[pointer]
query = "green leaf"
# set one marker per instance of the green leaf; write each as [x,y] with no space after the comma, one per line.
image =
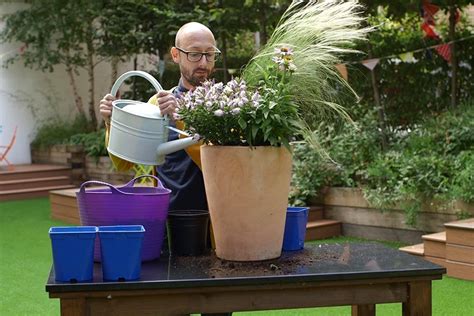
[242,123]
[254,131]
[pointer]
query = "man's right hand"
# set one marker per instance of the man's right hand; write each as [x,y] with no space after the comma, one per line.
[105,107]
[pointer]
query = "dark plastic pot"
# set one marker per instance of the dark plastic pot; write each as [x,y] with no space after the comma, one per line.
[187,232]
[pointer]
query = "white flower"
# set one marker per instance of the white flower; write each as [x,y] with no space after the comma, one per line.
[235,111]
[218,113]
[199,101]
[227,90]
[218,86]
[277,60]
[284,51]
[232,84]
[256,96]
[199,91]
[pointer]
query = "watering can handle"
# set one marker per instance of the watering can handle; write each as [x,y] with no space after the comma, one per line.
[132,182]
[112,188]
[129,74]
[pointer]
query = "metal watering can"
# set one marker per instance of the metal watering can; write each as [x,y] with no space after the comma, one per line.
[138,131]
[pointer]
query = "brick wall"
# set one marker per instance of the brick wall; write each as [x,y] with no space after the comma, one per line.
[103,170]
[67,155]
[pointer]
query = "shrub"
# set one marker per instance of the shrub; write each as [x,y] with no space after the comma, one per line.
[94,143]
[410,91]
[59,132]
[433,159]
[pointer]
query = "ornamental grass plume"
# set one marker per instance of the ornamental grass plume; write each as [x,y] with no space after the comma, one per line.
[288,88]
[319,34]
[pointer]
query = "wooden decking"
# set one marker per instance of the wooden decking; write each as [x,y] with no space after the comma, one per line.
[32,180]
[64,206]
[453,248]
[320,228]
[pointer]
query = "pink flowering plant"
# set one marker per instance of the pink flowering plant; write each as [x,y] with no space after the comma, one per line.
[288,87]
[236,114]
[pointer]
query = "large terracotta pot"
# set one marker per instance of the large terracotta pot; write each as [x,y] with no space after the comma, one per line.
[247,192]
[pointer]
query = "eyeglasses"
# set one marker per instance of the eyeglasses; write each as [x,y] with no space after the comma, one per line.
[197,56]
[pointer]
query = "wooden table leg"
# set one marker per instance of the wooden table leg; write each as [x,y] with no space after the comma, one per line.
[363,310]
[73,306]
[419,299]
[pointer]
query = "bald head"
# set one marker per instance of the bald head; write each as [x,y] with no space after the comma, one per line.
[194,51]
[191,31]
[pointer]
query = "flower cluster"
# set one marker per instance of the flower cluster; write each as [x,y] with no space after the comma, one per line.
[237,114]
[221,99]
[218,112]
[284,59]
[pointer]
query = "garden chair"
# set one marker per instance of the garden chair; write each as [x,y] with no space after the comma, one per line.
[4,153]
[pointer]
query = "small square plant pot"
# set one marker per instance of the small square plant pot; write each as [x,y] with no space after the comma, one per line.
[295,228]
[121,250]
[73,252]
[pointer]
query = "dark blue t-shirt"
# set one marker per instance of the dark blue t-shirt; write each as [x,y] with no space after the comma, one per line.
[181,175]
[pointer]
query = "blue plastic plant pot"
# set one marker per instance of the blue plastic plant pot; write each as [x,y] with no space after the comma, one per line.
[73,252]
[121,251]
[295,228]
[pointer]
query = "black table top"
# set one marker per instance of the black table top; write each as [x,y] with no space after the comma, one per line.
[324,262]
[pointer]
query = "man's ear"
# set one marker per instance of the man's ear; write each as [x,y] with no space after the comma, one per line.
[175,54]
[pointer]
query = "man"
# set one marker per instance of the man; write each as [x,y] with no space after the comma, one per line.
[195,52]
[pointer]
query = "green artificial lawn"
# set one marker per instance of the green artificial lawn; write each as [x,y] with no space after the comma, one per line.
[25,261]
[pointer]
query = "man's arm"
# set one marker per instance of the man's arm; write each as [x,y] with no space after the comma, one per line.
[105,107]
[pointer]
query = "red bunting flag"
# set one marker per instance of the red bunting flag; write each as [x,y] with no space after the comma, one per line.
[429,11]
[457,16]
[429,30]
[444,51]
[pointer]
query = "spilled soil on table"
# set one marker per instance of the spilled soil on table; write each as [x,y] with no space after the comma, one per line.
[296,262]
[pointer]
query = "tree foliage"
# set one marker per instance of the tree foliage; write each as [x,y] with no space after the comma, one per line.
[58,32]
[410,91]
[80,34]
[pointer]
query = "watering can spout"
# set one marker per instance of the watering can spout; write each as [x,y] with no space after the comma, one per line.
[175,145]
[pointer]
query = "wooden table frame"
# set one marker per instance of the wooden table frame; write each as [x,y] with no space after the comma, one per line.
[414,293]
